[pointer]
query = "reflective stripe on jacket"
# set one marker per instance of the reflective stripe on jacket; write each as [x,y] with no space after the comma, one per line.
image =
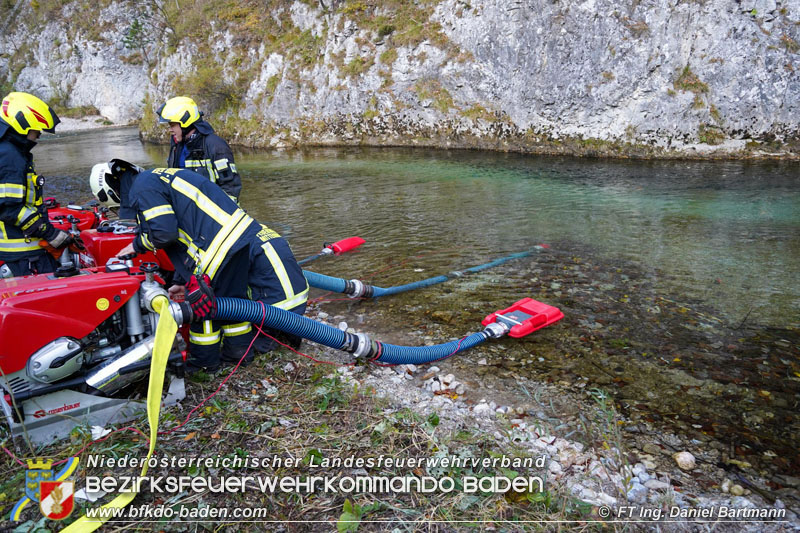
[196,223]
[21,203]
[208,154]
[275,277]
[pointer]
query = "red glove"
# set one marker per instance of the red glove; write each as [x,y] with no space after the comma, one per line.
[201,298]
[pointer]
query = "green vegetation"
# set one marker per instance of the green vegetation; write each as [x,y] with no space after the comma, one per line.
[709,134]
[137,38]
[358,66]
[603,427]
[388,57]
[619,343]
[688,81]
[306,48]
[477,111]
[372,109]
[790,44]
[307,413]
[209,81]
[430,89]
[272,84]
[399,22]
[78,112]
[714,112]
[384,30]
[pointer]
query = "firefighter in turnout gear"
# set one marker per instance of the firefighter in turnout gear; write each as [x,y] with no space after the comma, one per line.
[195,146]
[267,253]
[23,216]
[210,241]
[108,178]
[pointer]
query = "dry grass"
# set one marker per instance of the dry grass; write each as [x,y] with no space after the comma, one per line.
[307,413]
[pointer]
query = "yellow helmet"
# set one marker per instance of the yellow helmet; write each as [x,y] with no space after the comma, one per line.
[24,112]
[180,109]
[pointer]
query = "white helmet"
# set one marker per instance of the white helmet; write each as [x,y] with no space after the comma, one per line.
[105,180]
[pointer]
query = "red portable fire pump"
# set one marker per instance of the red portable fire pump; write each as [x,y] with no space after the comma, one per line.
[71,340]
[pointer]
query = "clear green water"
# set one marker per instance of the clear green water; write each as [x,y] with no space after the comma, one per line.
[679,280]
[722,233]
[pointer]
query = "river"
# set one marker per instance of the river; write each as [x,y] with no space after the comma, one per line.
[679,279]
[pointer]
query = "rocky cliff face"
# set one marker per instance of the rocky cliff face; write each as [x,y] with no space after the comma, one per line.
[641,78]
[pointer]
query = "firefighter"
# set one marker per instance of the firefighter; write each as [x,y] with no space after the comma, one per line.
[195,146]
[23,216]
[108,178]
[211,242]
[290,293]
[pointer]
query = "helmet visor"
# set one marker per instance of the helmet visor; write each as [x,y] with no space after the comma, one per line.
[56,121]
[161,119]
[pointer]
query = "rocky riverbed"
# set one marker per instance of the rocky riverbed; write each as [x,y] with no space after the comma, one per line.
[639,396]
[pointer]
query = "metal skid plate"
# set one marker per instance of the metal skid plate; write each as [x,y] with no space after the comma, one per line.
[53,416]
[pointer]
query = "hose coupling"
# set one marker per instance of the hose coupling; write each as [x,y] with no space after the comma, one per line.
[181,312]
[360,345]
[356,289]
[366,346]
[495,330]
[149,292]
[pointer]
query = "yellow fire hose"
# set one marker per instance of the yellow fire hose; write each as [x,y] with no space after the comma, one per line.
[165,336]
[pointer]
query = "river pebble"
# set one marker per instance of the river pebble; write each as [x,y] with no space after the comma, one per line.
[482,409]
[685,460]
[737,490]
[654,484]
[637,493]
[588,473]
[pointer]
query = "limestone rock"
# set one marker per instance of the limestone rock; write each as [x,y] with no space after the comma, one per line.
[685,460]
[618,76]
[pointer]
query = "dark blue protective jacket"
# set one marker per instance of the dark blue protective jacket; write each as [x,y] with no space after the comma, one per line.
[192,219]
[275,277]
[207,154]
[23,216]
[199,227]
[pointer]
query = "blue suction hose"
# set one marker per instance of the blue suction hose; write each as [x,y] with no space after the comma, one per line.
[359,344]
[355,288]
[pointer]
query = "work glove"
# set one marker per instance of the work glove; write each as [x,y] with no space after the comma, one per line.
[57,242]
[77,245]
[201,298]
[59,239]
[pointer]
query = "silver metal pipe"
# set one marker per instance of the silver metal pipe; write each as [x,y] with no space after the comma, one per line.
[107,378]
[133,312]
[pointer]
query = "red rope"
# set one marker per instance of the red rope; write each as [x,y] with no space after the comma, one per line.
[166,432]
[261,331]
[12,455]
[198,406]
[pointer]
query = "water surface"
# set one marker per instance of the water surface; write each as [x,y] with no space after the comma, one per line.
[679,280]
[725,233]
